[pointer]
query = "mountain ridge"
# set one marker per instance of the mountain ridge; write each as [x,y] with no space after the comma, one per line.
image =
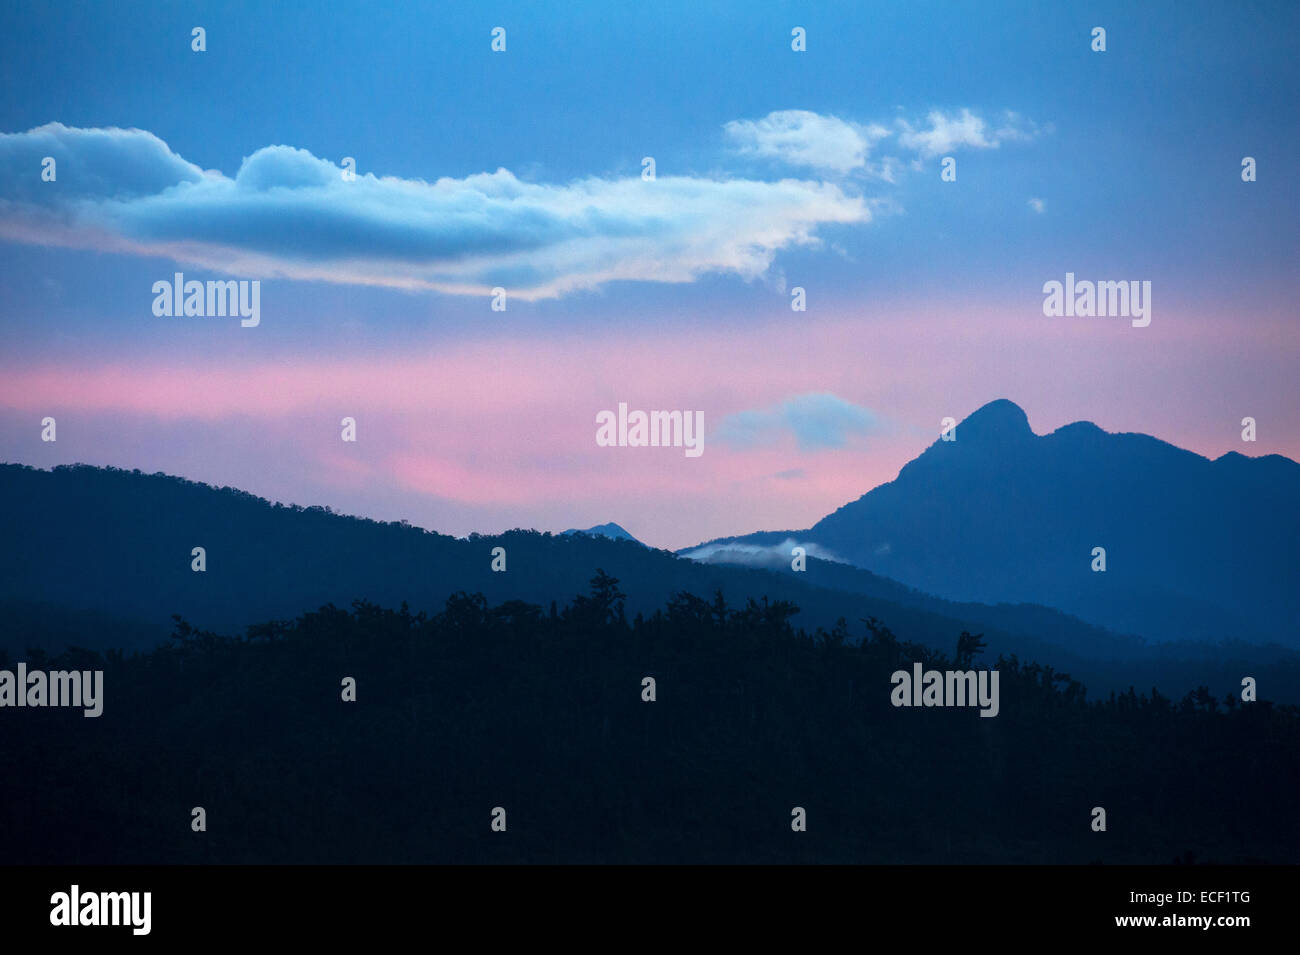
[101,557]
[1002,514]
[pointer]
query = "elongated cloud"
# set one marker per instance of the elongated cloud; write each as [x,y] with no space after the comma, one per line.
[287,213]
[757,555]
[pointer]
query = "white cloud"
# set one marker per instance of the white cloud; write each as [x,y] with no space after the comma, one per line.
[797,137]
[758,555]
[944,133]
[287,213]
[800,138]
[1038,205]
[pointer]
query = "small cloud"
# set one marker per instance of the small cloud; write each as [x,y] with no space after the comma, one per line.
[757,555]
[1038,205]
[798,137]
[817,421]
[793,474]
[946,133]
[887,169]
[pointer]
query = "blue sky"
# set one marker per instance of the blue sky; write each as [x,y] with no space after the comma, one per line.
[412,91]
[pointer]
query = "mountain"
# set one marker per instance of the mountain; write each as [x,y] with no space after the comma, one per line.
[610,530]
[95,555]
[101,557]
[1195,549]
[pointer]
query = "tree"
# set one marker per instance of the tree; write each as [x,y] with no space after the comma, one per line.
[967,647]
[606,597]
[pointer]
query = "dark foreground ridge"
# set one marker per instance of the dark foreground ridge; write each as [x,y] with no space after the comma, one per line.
[540,711]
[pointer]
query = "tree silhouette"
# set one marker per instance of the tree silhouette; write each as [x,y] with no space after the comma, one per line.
[967,647]
[544,711]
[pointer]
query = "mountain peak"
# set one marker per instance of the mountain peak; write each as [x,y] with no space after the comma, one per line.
[998,420]
[610,530]
[1081,428]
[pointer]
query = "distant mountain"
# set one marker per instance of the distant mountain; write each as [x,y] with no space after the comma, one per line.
[610,530]
[1195,549]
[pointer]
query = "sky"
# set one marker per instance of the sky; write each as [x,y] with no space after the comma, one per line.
[524,169]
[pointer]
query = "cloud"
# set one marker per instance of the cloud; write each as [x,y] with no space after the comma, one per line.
[830,145]
[757,555]
[1038,205]
[946,133]
[103,164]
[287,213]
[797,137]
[819,420]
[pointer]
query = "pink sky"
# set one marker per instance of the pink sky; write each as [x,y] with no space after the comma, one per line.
[488,435]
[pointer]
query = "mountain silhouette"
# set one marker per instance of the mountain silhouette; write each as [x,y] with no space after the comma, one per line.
[102,557]
[1195,548]
[610,530]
